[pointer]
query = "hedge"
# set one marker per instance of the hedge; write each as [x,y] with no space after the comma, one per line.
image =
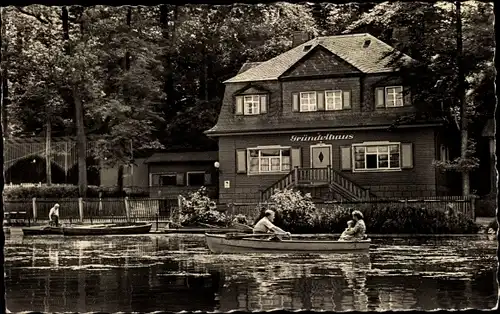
[65,191]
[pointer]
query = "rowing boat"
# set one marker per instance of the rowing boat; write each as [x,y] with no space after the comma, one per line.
[139,228]
[42,230]
[218,243]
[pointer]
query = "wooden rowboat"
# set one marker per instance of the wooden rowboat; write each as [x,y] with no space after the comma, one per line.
[49,230]
[42,230]
[252,243]
[139,228]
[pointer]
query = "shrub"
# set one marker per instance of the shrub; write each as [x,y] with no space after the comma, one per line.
[493,225]
[240,218]
[65,191]
[198,207]
[486,206]
[297,213]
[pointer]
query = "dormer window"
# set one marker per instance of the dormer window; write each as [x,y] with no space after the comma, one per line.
[251,104]
[389,97]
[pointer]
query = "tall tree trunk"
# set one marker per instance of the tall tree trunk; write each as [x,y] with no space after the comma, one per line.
[81,140]
[48,150]
[126,67]
[4,98]
[463,105]
[168,32]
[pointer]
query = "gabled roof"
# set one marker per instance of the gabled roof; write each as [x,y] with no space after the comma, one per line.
[371,59]
[183,157]
[247,66]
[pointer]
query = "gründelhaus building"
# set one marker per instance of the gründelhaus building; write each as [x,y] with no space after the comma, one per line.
[318,117]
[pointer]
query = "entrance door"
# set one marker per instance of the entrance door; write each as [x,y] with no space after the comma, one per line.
[321,156]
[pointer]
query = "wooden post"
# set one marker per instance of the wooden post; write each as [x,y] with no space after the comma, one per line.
[100,203]
[296,175]
[34,209]
[179,204]
[80,208]
[127,209]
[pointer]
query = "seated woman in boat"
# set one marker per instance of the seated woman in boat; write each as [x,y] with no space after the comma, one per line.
[359,229]
[265,225]
[346,236]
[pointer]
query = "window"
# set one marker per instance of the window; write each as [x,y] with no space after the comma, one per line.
[394,96]
[377,157]
[168,179]
[308,101]
[268,160]
[196,178]
[251,104]
[333,100]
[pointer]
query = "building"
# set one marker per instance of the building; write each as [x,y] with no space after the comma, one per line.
[319,117]
[173,174]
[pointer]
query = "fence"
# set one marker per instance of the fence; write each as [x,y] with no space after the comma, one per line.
[149,209]
[464,205]
[97,210]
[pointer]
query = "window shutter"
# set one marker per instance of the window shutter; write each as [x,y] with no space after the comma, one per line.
[180,178]
[379,97]
[296,155]
[241,161]
[321,100]
[208,179]
[346,99]
[406,155]
[295,102]
[263,103]
[345,158]
[239,105]
[407,96]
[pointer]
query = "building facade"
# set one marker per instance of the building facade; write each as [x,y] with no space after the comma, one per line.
[321,117]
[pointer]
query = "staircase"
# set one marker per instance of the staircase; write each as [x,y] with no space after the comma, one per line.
[339,186]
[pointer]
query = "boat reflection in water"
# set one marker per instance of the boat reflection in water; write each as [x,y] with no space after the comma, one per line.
[175,273]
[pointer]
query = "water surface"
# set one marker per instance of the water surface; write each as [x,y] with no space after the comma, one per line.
[177,272]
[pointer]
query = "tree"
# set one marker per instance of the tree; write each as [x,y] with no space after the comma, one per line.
[428,33]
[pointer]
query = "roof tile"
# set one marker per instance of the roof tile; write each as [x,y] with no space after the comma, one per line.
[372,59]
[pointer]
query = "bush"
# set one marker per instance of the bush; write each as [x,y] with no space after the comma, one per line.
[493,225]
[241,219]
[486,206]
[66,191]
[296,213]
[199,208]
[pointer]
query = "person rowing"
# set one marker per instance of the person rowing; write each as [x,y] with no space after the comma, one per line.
[265,225]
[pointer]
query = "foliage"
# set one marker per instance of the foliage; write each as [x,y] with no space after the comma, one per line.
[486,206]
[62,191]
[241,219]
[493,225]
[297,214]
[199,208]
[292,208]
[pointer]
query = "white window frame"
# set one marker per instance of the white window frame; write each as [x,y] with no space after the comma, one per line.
[310,106]
[335,95]
[194,172]
[251,107]
[376,144]
[394,96]
[260,158]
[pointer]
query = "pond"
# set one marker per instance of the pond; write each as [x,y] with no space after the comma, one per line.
[177,272]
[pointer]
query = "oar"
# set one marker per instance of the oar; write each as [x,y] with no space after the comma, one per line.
[249,235]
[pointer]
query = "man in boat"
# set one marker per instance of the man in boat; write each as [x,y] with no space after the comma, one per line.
[265,225]
[358,231]
[54,215]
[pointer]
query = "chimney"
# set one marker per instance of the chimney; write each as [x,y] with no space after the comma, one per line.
[300,37]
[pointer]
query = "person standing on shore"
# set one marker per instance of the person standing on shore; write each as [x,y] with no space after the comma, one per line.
[54,215]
